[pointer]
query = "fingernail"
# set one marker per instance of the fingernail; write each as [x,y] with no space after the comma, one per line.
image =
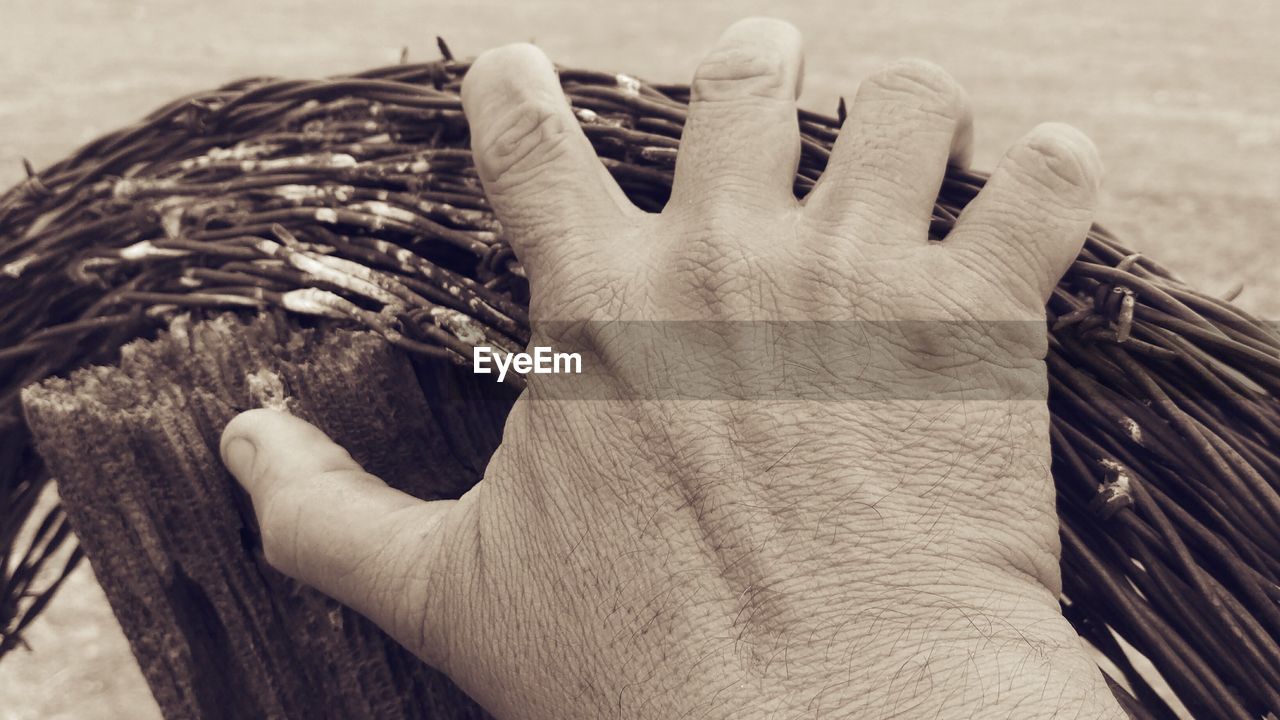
[238,456]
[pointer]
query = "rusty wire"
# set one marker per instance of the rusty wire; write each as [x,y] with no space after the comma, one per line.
[354,200]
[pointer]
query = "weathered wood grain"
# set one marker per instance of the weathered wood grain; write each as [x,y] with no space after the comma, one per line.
[172,538]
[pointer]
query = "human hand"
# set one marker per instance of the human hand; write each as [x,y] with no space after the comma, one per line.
[881,542]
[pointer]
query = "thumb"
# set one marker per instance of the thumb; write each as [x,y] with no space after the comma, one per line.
[331,525]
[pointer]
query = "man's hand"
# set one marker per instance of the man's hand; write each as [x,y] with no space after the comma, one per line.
[878,541]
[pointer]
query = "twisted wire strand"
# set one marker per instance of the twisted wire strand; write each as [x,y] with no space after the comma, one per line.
[354,200]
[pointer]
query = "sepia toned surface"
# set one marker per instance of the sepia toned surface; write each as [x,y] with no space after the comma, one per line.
[1178,95]
[217,632]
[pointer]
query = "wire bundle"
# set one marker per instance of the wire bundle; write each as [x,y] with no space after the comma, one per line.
[354,200]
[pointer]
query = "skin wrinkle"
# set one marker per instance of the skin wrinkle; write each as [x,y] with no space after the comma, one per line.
[1016,257]
[923,83]
[1047,152]
[742,74]
[407,578]
[276,550]
[534,134]
[750,80]
[714,274]
[900,109]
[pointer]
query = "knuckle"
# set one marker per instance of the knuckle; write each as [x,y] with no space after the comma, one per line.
[1057,157]
[737,70]
[531,134]
[712,239]
[922,83]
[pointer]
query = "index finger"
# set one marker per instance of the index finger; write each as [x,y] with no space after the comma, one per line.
[543,178]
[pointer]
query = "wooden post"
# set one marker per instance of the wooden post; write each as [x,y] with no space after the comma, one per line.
[173,540]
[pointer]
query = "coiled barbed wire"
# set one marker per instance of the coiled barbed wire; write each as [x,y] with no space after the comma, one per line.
[354,200]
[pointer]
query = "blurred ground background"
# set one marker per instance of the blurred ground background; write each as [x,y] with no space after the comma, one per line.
[1181,96]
